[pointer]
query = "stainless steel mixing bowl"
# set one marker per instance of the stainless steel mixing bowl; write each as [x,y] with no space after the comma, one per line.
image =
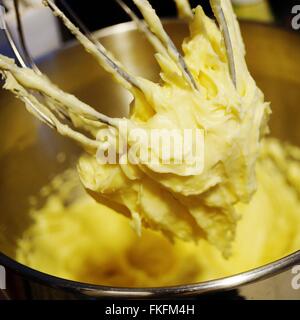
[28,153]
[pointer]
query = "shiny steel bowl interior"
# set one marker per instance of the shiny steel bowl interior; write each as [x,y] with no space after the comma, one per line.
[28,149]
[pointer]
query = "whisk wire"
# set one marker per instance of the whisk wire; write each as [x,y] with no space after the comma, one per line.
[154,31]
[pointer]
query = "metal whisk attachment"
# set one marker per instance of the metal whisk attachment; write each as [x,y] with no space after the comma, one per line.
[50,101]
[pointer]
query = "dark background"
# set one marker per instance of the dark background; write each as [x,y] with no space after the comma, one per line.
[101,13]
[97,14]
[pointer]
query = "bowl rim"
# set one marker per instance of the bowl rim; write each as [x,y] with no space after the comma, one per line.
[211,286]
[225,283]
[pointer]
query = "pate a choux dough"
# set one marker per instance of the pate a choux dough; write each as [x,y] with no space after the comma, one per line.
[89,242]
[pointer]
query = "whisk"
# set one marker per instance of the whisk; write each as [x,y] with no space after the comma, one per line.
[50,101]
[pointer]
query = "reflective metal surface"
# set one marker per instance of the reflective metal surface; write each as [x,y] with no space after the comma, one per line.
[28,153]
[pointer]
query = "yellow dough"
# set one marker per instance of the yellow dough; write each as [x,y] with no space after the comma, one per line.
[89,242]
[182,201]
[188,224]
